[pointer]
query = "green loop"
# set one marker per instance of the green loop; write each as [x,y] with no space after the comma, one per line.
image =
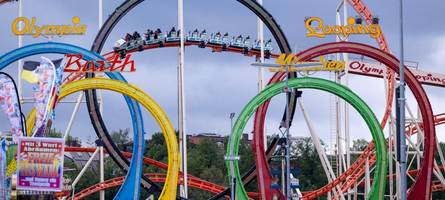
[379,183]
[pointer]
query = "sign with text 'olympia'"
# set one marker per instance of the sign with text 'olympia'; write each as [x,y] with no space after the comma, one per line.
[316,28]
[30,27]
[378,70]
[40,164]
[291,59]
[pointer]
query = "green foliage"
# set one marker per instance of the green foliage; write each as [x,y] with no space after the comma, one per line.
[312,175]
[359,144]
[70,140]
[121,139]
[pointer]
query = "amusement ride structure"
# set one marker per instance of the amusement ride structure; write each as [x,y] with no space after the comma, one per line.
[373,170]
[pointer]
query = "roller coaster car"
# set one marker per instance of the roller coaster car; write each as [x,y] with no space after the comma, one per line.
[137,43]
[118,44]
[215,39]
[157,38]
[267,47]
[237,42]
[194,36]
[173,36]
[225,41]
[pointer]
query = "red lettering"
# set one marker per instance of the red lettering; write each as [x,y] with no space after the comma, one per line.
[98,66]
[71,62]
[114,62]
[355,65]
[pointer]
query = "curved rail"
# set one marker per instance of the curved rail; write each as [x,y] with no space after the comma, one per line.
[156,177]
[378,186]
[421,188]
[61,48]
[170,186]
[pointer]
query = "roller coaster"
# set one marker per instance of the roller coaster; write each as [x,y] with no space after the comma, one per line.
[373,169]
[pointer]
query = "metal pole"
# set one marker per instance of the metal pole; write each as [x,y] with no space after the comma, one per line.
[401,122]
[73,115]
[260,36]
[100,21]
[346,59]
[20,62]
[181,100]
[261,60]
[102,177]
[73,185]
[288,92]
[232,180]
[367,178]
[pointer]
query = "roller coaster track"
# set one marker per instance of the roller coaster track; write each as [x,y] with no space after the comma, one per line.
[421,188]
[155,177]
[193,181]
[107,27]
[359,171]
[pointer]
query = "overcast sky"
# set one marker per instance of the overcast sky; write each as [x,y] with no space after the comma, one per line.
[220,83]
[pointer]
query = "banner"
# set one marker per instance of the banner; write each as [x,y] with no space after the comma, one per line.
[378,70]
[40,164]
[10,106]
[3,187]
[47,75]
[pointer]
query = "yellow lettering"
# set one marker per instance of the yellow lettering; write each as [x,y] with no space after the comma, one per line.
[312,31]
[374,30]
[30,28]
[16,22]
[321,30]
[52,30]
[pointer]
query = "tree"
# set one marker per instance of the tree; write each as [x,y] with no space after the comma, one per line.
[306,159]
[121,139]
[70,140]
[359,144]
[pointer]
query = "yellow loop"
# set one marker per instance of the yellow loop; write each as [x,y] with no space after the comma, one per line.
[170,187]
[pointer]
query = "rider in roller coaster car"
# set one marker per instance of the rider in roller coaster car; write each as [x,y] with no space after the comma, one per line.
[136,35]
[225,41]
[148,35]
[157,33]
[128,37]
[173,35]
[204,38]
[138,41]
[246,44]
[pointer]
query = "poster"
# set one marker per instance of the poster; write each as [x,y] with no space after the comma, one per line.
[40,164]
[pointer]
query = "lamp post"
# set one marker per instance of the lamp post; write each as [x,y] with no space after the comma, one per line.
[231,159]
[401,144]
